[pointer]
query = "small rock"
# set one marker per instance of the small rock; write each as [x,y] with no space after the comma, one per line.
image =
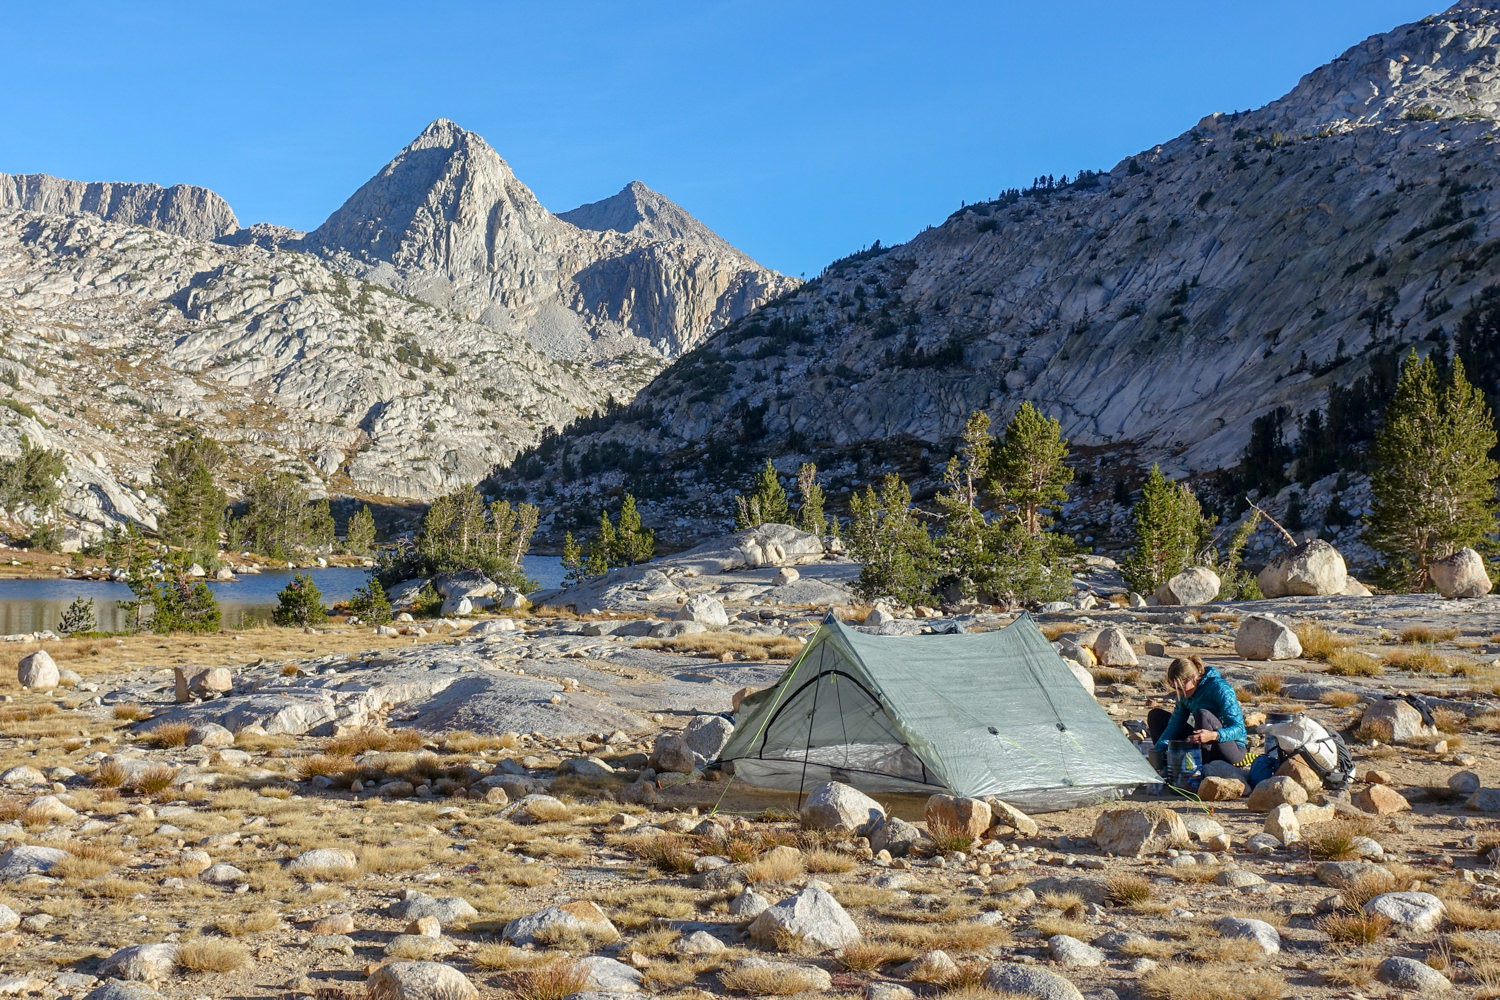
[419,981]
[1413,976]
[1221,789]
[1262,933]
[812,918]
[1071,952]
[1132,832]
[1460,575]
[1417,912]
[37,672]
[1029,981]
[1274,792]
[962,816]
[1113,649]
[836,806]
[1261,637]
[1380,800]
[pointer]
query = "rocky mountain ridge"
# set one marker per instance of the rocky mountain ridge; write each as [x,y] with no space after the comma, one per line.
[129,310]
[1156,309]
[182,209]
[447,220]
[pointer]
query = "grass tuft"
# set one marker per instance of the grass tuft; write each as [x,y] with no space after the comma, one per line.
[1320,644]
[205,954]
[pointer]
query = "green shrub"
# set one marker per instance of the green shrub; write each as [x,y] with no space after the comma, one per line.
[371,604]
[300,603]
[79,617]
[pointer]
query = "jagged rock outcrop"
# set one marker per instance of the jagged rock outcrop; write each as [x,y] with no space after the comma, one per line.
[182,209]
[448,221]
[1156,309]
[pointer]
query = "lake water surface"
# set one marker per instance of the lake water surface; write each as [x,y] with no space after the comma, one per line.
[33,605]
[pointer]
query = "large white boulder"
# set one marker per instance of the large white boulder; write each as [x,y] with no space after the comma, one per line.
[836,806]
[1312,568]
[1262,637]
[812,918]
[1113,649]
[1460,575]
[1194,585]
[38,672]
[705,610]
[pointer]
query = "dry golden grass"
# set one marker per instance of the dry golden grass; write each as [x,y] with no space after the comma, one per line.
[389,860]
[717,644]
[1056,630]
[203,954]
[1419,659]
[776,980]
[323,765]
[383,740]
[1352,663]
[1124,889]
[959,937]
[1340,699]
[1335,841]
[1427,634]
[502,957]
[1213,982]
[868,956]
[1318,643]
[263,742]
[821,860]
[464,741]
[546,980]
[1047,925]
[1355,928]
[1269,685]
[948,837]
[167,734]
[240,924]
[1114,675]
[666,852]
[1350,970]
[777,866]
[857,894]
[155,779]
[131,713]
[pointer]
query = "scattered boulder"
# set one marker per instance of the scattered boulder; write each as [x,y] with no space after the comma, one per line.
[468,583]
[1484,800]
[324,861]
[1418,912]
[456,607]
[1221,789]
[672,753]
[1013,978]
[1460,575]
[705,610]
[1113,649]
[609,975]
[201,683]
[1085,678]
[142,962]
[960,815]
[559,923]
[115,989]
[1262,933]
[836,806]
[1282,823]
[448,910]
[1007,818]
[1131,832]
[1463,782]
[699,943]
[1382,800]
[1069,951]
[37,672]
[1276,791]
[1393,720]
[896,836]
[784,576]
[929,967]
[19,862]
[1413,976]
[707,735]
[1194,585]
[1312,568]
[1302,773]
[419,981]
[1261,637]
[748,905]
[211,735]
[812,917]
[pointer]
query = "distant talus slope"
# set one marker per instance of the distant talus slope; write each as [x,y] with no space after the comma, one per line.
[1156,309]
[182,209]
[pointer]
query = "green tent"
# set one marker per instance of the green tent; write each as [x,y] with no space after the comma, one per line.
[990,713]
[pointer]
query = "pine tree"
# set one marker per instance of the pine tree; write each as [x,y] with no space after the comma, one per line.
[32,479]
[810,517]
[1170,530]
[966,544]
[184,478]
[359,534]
[1433,488]
[371,604]
[574,561]
[894,548]
[281,518]
[1029,476]
[300,603]
[766,504]
[79,617]
[633,542]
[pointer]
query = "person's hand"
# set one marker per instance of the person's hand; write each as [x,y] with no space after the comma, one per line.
[1204,736]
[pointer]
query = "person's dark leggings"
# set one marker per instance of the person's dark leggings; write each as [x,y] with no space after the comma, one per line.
[1233,753]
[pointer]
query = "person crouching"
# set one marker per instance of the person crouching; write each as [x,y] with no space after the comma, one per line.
[1207,714]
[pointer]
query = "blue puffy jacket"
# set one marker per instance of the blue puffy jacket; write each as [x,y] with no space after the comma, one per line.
[1213,693]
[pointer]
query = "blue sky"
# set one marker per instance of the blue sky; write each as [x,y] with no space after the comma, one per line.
[799,131]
